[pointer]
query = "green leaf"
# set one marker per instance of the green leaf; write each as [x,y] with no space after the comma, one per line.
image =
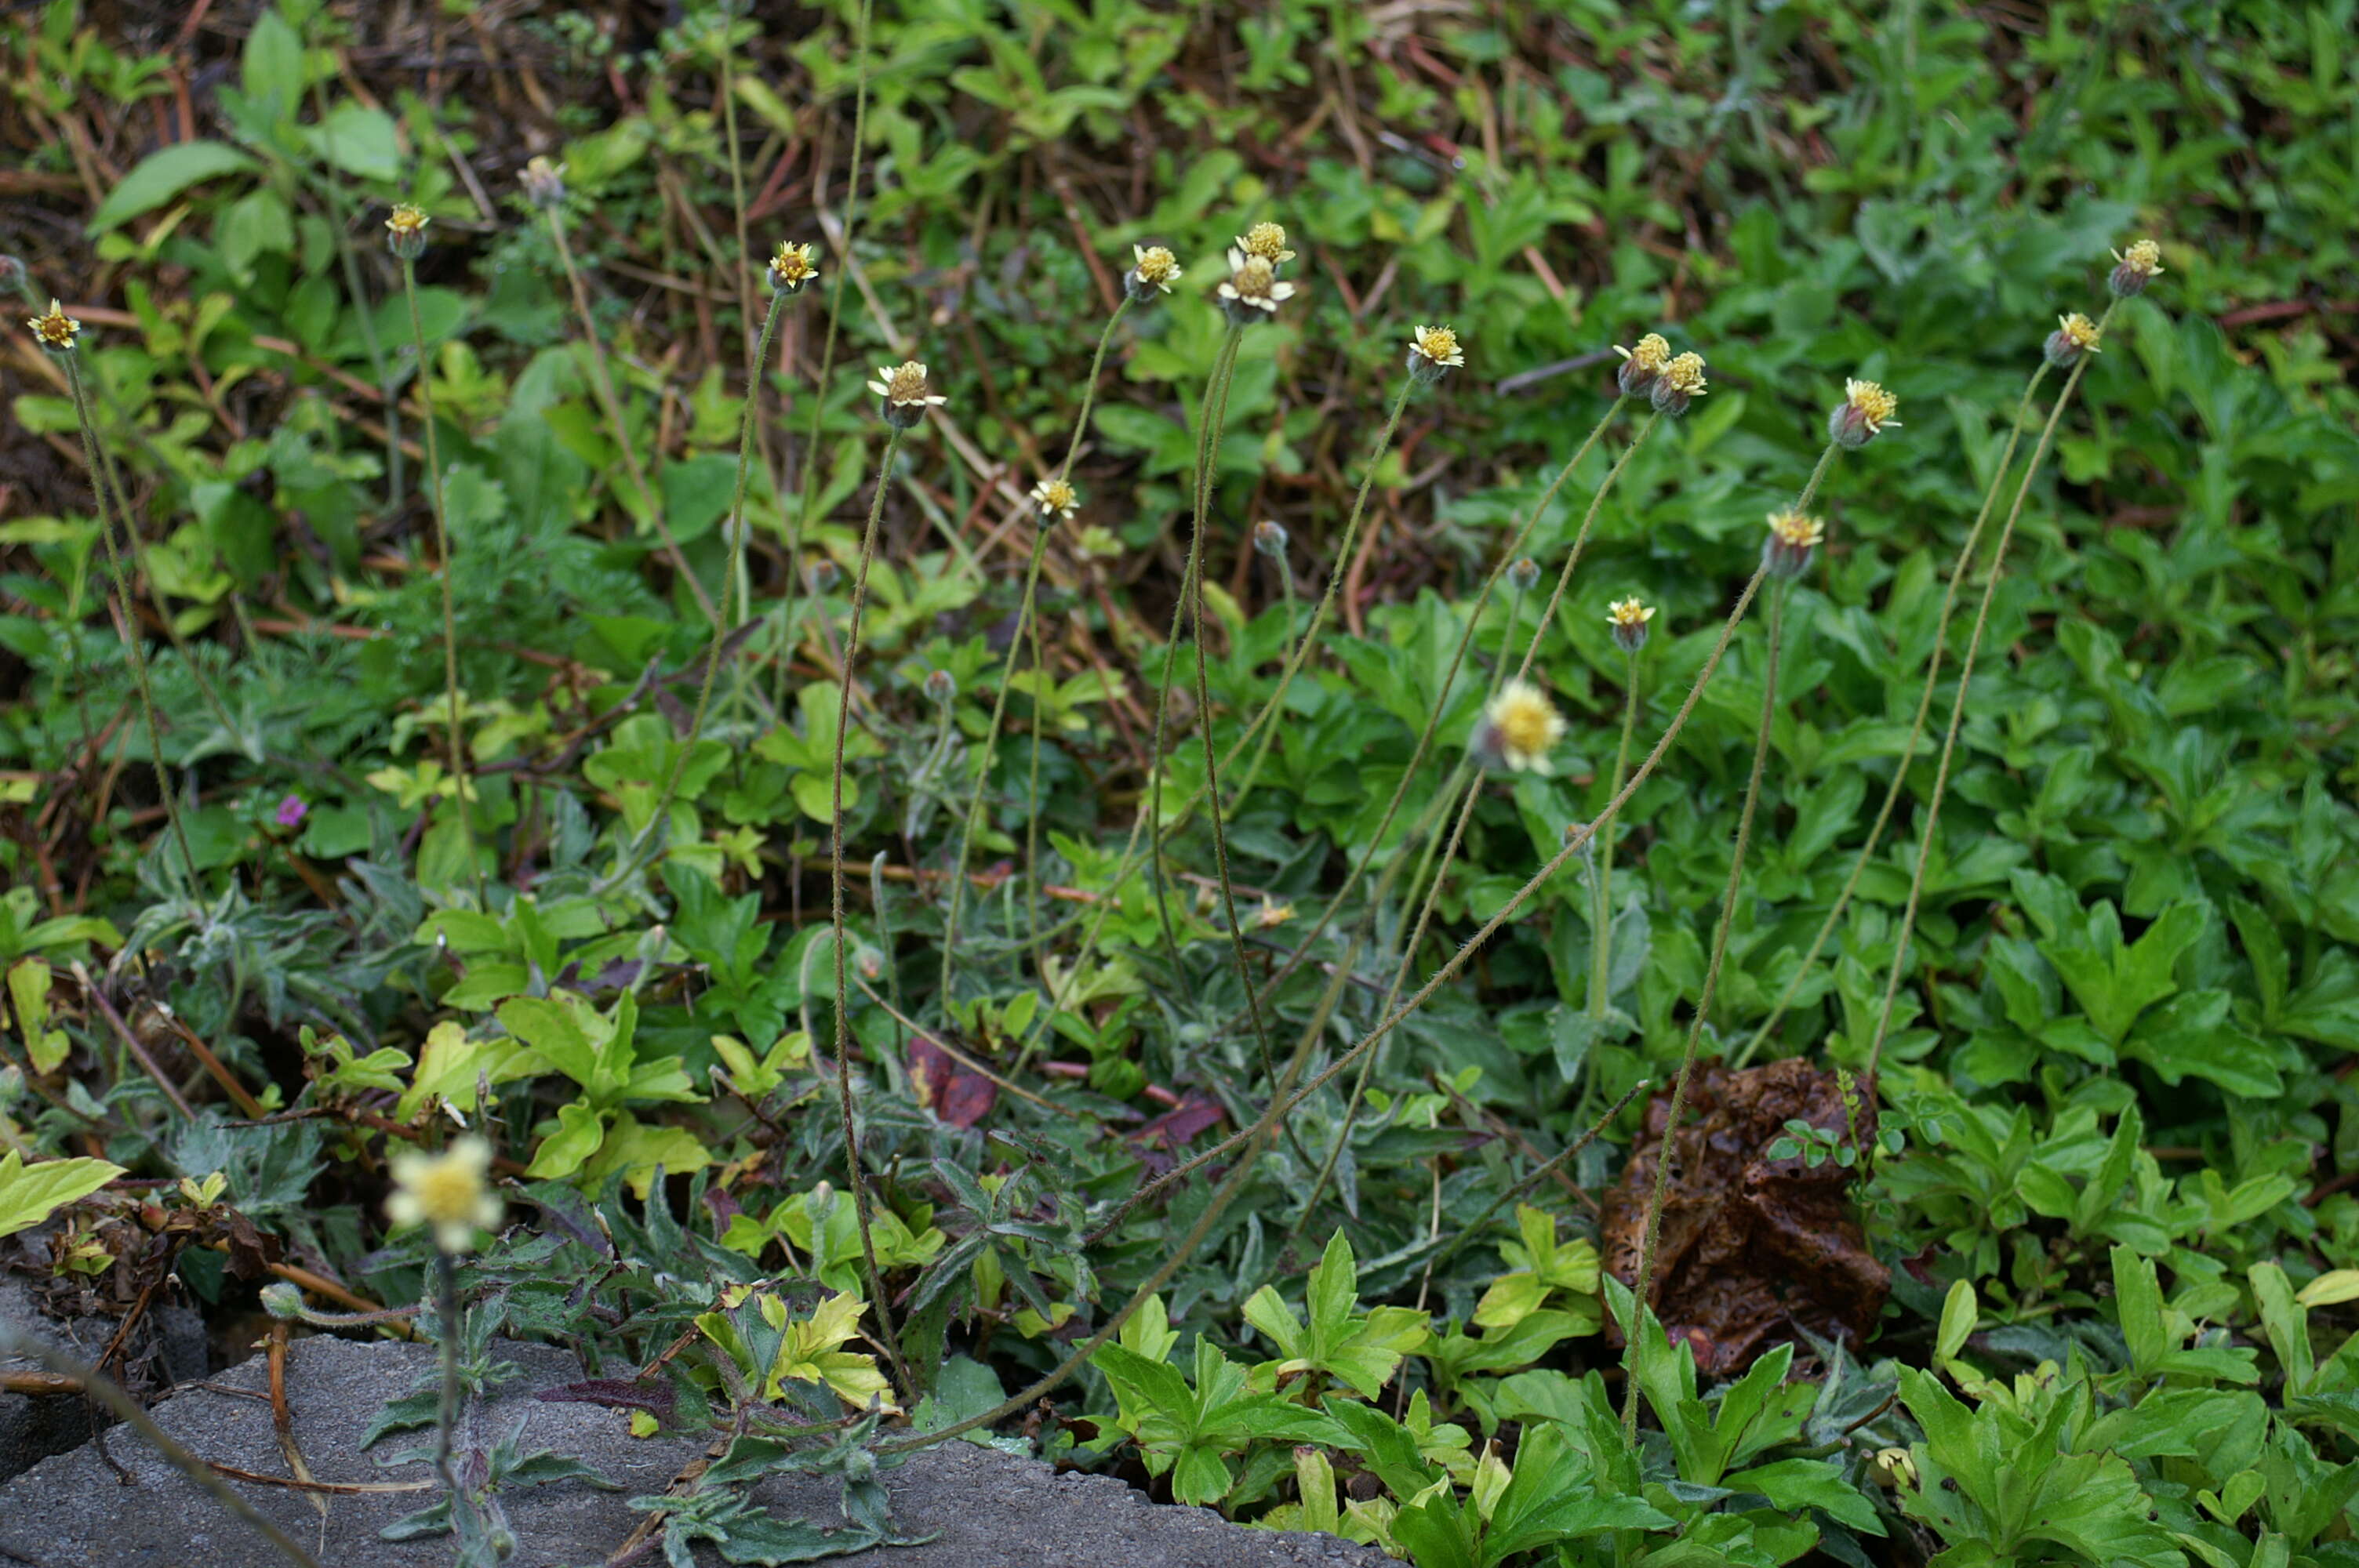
[579,1133]
[163,175]
[30,1194]
[360,141]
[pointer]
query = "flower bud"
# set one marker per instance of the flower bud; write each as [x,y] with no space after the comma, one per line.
[821,575]
[941,687]
[1269,539]
[1525,575]
[12,273]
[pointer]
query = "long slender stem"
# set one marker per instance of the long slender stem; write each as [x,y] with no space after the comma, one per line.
[739,529]
[1601,940]
[456,735]
[800,521]
[835,907]
[602,381]
[1269,732]
[132,644]
[1958,711]
[1572,556]
[1916,727]
[1643,1284]
[988,753]
[1207,447]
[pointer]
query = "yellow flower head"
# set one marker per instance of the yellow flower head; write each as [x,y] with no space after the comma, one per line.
[1055,498]
[2079,331]
[1653,352]
[1252,286]
[1153,271]
[1432,352]
[903,388]
[54,328]
[447,1191]
[1630,612]
[544,182]
[1794,529]
[407,221]
[1685,374]
[1520,728]
[2135,267]
[793,267]
[1266,240]
[1874,405]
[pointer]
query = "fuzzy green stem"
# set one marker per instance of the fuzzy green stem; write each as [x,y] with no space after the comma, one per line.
[1643,1285]
[446,1414]
[741,570]
[1916,726]
[1958,712]
[835,911]
[1572,556]
[456,749]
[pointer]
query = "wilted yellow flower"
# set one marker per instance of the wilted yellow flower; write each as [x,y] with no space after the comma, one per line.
[54,328]
[1896,1468]
[1867,409]
[793,267]
[1266,240]
[1273,913]
[903,388]
[1055,498]
[1153,271]
[447,1191]
[1432,352]
[1519,729]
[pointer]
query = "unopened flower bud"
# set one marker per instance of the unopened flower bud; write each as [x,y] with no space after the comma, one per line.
[13,274]
[1525,575]
[1269,539]
[821,575]
[941,685]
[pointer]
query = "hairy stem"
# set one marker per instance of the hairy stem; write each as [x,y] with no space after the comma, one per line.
[1916,727]
[835,908]
[1025,618]
[1601,940]
[1958,711]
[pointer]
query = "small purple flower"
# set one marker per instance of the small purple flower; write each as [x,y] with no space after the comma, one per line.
[291,811]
